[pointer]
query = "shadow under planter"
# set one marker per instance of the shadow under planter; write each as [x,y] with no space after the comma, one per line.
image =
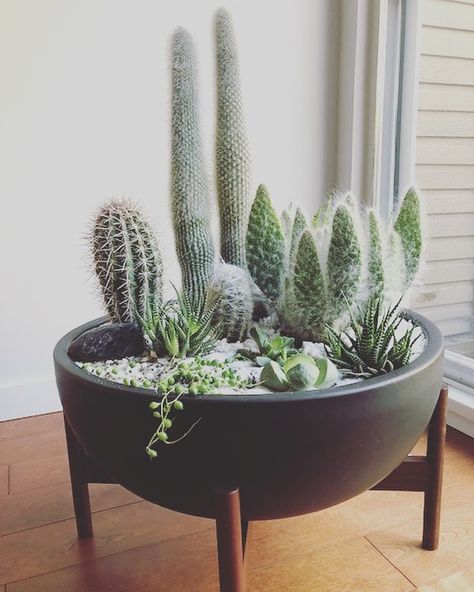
[258,457]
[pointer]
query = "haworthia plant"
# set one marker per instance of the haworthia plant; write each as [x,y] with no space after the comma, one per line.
[375,258]
[265,246]
[408,226]
[309,287]
[232,152]
[344,263]
[189,193]
[127,261]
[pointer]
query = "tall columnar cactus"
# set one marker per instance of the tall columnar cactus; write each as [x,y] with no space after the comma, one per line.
[299,226]
[127,261]
[344,262]
[232,152]
[408,226]
[189,193]
[234,294]
[265,246]
[309,288]
[375,258]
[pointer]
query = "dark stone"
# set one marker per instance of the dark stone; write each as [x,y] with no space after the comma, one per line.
[108,342]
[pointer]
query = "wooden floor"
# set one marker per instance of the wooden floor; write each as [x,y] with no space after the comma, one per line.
[369,543]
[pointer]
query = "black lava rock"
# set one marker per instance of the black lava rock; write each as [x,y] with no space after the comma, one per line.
[108,342]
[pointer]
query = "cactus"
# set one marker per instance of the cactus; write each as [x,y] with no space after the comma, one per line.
[344,265]
[127,261]
[299,226]
[323,215]
[408,226]
[308,287]
[232,152]
[236,295]
[375,263]
[189,194]
[265,246]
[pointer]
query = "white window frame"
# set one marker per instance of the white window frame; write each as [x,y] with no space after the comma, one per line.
[378,105]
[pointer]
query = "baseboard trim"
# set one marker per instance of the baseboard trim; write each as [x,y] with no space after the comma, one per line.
[27,399]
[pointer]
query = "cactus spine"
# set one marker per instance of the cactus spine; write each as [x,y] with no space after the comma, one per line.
[265,246]
[309,287]
[408,226]
[375,263]
[344,265]
[189,194]
[232,152]
[127,261]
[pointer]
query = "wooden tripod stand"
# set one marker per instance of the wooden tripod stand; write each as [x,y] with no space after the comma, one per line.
[415,473]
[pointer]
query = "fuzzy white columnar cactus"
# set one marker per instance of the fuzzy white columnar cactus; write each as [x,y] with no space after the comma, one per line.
[232,151]
[189,192]
[235,295]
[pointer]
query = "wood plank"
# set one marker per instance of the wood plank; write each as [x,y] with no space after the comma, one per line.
[23,448]
[4,480]
[460,581]
[31,426]
[444,201]
[354,565]
[451,224]
[442,249]
[448,271]
[450,15]
[444,97]
[439,176]
[54,503]
[441,294]
[441,124]
[33,474]
[35,551]
[447,42]
[445,150]
[443,70]
[183,564]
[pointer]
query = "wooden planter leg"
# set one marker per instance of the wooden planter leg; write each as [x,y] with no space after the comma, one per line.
[80,487]
[435,457]
[231,537]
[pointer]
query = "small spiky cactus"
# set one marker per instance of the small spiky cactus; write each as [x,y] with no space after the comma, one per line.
[265,246]
[375,262]
[408,226]
[344,262]
[309,288]
[299,226]
[232,152]
[127,261]
[189,194]
[236,295]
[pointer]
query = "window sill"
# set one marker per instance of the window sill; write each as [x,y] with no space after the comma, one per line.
[460,407]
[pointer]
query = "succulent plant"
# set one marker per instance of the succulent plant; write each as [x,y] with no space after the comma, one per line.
[189,193]
[408,226]
[181,328]
[370,346]
[375,262]
[127,261]
[265,246]
[344,263]
[232,152]
[277,348]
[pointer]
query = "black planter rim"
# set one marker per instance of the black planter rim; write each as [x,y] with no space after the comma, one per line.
[433,349]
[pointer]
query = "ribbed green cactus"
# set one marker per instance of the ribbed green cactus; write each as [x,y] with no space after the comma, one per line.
[236,294]
[309,288]
[344,263]
[408,226]
[189,194]
[232,152]
[265,246]
[375,258]
[299,226]
[127,261]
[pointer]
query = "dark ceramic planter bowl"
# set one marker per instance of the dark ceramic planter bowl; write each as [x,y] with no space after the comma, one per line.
[289,453]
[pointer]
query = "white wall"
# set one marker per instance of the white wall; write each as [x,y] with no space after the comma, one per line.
[84,111]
